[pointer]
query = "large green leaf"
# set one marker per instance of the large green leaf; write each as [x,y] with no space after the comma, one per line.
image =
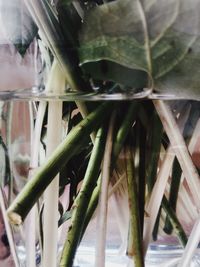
[157,37]
[17,24]
[58,40]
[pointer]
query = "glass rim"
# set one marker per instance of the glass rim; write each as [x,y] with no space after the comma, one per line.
[35,93]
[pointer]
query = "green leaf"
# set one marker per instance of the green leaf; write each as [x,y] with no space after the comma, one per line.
[52,34]
[70,22]
[66,216]
[17,24]
[156,37]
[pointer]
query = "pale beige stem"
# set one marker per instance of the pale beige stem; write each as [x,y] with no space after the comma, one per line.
[152,207]
[180,148]
[8,230]
[103,200]
[56,83]
[191,246]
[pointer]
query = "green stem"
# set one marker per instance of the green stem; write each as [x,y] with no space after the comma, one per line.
[174,221]
[142,176]
[134,249]
[124,129]
[156,226]
[8,143]
[117,146]
[82,201]
[173,195]
[155,145]
[63,153]
[92,206]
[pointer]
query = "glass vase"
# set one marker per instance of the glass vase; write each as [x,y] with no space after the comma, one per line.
[99,133]
[155,145]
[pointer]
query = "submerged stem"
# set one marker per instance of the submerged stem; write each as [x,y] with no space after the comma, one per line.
[191,246]
[173,194]
[82,200]
[141,172]
[134,249]
[180,148]
[103,198]
[8,230]
[63,153]
[117,146]
[124,129]
[153,205]
[174,221]
[155,145]
[56,84]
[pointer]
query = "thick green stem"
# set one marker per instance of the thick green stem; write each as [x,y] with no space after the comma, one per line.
[64,152]
[92,206]
[134,249]
[82,201]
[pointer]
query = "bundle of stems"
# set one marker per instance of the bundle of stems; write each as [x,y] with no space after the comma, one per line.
[85,201]
[100,149]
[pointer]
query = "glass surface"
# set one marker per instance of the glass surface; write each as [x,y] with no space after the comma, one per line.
[17,122]
[47,47]
[38,93]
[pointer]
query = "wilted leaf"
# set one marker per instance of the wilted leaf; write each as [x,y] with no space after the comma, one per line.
[17,24]
[158,37]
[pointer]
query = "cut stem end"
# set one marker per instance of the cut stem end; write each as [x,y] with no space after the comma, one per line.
[14,218]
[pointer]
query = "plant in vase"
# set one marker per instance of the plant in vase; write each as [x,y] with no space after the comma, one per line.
[131,49]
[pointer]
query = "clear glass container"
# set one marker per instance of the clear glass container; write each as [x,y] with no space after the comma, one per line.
[18,117]
[99,133]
